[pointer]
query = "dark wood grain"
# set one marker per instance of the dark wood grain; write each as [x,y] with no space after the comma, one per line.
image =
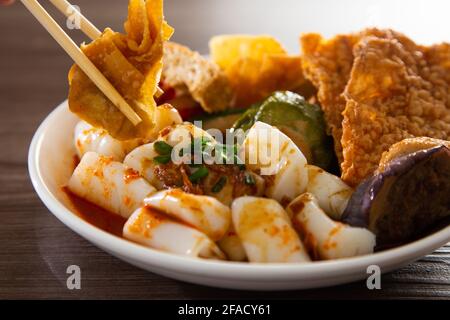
[35,248]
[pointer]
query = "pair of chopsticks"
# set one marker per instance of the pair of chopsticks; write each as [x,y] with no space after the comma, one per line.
[75,52]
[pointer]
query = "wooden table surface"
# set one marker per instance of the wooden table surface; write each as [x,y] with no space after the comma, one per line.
[35,248]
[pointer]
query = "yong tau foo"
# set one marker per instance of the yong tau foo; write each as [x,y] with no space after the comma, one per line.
[257,155]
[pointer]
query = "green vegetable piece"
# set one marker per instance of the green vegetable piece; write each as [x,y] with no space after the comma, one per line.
[219,184]
[199,174]
[219,120]
[247,119]
[303,122]
[162,159]
[162,148]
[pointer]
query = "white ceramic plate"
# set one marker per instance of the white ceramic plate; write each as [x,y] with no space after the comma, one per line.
[50,161]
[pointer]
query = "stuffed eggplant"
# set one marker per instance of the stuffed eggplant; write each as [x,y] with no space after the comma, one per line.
[410,195]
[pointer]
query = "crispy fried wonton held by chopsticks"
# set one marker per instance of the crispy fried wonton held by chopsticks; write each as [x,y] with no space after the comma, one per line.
[132,62]
[395,91]
[327,64]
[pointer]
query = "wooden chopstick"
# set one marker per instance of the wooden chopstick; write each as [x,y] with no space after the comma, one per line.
[81,59]
[86,26]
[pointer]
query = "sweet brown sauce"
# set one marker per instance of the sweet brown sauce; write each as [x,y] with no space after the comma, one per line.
[95,215]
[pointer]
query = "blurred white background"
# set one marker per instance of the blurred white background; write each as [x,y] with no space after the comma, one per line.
[195,21]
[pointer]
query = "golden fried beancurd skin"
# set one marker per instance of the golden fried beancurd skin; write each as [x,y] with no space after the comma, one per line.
[327,63]
[396,91]
[132,62]
[256,66]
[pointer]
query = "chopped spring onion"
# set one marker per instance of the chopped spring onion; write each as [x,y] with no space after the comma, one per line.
[199,174]
[162,148]
[219,184]
[162,159]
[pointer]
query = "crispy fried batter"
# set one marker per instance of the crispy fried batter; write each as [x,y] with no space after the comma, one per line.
[396,90]
[327,64]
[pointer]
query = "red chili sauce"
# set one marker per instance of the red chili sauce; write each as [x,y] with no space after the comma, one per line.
[95,215]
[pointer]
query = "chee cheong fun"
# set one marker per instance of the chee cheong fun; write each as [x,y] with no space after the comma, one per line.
[263,183]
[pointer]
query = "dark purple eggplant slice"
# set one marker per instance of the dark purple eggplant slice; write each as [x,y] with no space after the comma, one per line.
[409,196]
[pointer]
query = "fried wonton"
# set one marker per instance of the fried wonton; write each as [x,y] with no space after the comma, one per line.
[256,66]
[396,90]
[327,64]
[132,62]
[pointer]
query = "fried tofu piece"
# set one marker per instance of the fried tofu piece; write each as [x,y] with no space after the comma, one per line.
[205,81]
[396,90]
[327,64]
